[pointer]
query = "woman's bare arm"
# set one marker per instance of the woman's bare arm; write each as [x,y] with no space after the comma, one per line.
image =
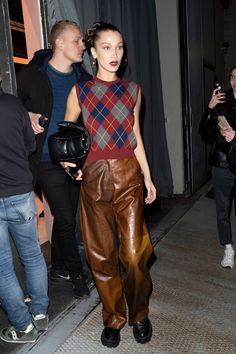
[73,109]
[141,155]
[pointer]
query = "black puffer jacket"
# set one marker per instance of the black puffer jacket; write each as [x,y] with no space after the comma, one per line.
[34,90]
[222,153]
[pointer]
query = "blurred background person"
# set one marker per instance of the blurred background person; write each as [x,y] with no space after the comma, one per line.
[220,135]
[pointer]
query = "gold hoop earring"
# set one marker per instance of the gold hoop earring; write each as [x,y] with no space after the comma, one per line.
[94,62]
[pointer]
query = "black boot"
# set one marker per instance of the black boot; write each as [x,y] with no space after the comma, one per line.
[110,337]
[142,331]
[80,288]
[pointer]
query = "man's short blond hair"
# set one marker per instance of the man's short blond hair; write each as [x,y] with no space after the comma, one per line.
[58,28]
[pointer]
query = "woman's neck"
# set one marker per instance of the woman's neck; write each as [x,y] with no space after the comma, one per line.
[106,76]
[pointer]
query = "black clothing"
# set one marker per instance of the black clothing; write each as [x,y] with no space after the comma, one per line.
[210,132]
[17,141]
[223,159]
[34,90]
[223,182]
[62,195]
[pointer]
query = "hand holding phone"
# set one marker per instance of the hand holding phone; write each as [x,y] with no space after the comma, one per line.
[219,88]
[218,96]
[223,123]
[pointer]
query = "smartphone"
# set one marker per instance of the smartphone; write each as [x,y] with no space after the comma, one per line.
[223,122]
[220,87]
[42,121]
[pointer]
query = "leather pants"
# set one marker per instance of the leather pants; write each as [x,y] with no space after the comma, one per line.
[111,203]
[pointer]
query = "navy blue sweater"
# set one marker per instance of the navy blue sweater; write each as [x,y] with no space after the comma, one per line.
[35,92]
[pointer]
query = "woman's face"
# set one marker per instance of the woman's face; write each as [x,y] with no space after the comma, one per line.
[233,80]
[108,51]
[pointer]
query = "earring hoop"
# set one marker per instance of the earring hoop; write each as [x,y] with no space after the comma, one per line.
[94,62]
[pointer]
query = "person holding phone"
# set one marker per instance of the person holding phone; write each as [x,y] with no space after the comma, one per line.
[217,127]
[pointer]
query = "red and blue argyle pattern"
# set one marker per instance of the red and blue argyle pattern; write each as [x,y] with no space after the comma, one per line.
[108,114]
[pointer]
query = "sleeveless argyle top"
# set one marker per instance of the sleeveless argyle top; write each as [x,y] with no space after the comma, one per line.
[108,114]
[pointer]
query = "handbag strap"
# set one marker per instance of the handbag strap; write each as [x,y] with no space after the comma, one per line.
[68,125]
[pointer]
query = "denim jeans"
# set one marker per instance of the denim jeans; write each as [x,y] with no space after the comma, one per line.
[18,215]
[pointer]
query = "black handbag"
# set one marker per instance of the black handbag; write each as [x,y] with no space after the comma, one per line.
[71,143]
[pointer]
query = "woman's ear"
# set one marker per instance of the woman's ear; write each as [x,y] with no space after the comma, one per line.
[93,52]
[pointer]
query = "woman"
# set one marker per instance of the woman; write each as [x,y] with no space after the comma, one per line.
[222,159]
[111,196]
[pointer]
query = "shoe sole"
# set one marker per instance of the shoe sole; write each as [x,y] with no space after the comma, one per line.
[17,341]
[85,296]
[108,344]
[61,279]
[227,266]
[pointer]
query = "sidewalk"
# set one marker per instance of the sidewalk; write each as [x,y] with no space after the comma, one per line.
[192,306]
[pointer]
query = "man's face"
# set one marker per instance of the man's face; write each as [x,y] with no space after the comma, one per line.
[71,44]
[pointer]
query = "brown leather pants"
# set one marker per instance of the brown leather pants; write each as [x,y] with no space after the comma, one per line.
[111,203]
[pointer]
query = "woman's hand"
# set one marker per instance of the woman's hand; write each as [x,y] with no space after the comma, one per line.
[227,133]
[151,191]
[75,175]
[217,97]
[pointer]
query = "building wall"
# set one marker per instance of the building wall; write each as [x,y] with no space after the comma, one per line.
[167,13]
[33,26]
[230,38]
[219,39]
[205,50]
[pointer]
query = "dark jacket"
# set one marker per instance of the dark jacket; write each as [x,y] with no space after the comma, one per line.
[222,152]
[17,141]
[34,90]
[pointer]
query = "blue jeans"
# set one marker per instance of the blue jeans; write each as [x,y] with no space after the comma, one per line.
[18,215]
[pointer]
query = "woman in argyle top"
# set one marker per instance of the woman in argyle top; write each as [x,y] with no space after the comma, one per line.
[111,196]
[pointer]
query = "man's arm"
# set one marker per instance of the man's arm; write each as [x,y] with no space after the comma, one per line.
[29,137]
[23,86]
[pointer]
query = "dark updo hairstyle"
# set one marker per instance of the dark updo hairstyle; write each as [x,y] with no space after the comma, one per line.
[92,33]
